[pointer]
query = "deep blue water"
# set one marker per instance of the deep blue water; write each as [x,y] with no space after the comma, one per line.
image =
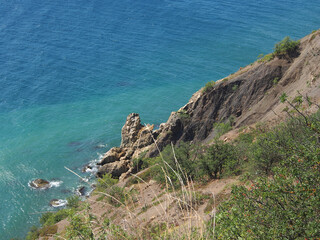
[71,71]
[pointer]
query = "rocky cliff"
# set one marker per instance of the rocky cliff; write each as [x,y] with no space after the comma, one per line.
[249,95]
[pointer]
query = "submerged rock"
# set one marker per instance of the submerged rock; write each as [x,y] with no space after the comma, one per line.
[40,183]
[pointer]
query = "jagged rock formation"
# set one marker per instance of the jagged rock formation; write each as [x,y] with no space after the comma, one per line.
[135,139]
[250,95]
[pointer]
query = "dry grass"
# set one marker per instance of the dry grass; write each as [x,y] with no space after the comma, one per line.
[167,212]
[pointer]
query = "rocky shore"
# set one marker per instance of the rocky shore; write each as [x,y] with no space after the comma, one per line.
[247,96]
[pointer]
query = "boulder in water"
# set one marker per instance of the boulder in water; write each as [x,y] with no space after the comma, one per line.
[58,202]
[40,184]
[81,191]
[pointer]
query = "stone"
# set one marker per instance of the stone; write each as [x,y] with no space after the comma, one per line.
[58,202]
[115,168]
[130,130]
[81,191]
[86,168]
[40,183]
[54,202]
[113,155]
[144,137]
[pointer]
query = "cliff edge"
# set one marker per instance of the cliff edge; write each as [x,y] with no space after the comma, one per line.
[248,96]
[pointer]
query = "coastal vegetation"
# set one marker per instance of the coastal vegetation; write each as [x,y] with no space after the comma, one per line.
[208,86]
[269,171]
[278,195]
[285,48]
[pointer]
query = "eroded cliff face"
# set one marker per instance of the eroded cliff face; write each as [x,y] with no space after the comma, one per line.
[249,95]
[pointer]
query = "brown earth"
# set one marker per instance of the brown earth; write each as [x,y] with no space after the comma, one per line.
[155,205]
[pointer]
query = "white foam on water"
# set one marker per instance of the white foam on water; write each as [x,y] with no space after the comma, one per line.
[92,170]
[102,145]
[55,183]
[60,203]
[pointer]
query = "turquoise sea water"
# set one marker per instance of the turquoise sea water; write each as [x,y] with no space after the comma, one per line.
[71,71]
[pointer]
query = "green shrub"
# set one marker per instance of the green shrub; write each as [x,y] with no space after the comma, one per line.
[144,175]
[286,46]
[84,225]
[245,138]
[48,230]
[223,128]
[194,162]
[33,233]
[170,169]
[208,86]
[266,58]
[265,153]
[73,201]
[218,158]
[80,227]
[105,182]
[113,194]
[285,205]
[275,81]
[51,218]
[118,196]
[234,88]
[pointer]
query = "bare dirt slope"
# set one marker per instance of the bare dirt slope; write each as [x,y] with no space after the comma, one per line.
[154,205]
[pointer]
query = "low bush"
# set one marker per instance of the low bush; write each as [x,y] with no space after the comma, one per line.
[113,194]
[283,207]
[208,86]
[218,158]
[266,58]
[105,182]
[33,233]
[48,231]
[286,204]
[286,47]
[73,201]
[175,165]
[223,127]
[51,218]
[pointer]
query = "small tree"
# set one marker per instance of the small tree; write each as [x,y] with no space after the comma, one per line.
[286,47]
[217,158]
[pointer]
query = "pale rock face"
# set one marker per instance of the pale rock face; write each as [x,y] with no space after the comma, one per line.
[130,130]
[113,155]
[134,139]
[115,169]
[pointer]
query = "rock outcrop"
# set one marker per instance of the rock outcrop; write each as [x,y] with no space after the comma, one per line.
[40,184]
[57,203]
[135,139]
[249,96]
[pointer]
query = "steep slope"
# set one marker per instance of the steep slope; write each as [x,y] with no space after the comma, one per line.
[249,96]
